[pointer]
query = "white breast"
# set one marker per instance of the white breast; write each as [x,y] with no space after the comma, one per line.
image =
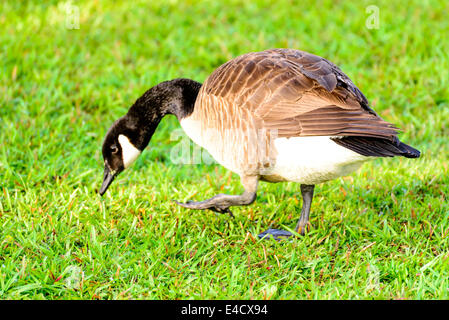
[307,160]
[193,129]
[215,141]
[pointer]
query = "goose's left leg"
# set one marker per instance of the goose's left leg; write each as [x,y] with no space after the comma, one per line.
[277,234]
[221,202]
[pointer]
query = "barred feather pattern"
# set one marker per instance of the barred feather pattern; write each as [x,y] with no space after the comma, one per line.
[248,102]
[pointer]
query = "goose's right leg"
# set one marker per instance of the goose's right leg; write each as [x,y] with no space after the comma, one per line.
[222,202]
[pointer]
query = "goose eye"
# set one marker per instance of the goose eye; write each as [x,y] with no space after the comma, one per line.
[114,149]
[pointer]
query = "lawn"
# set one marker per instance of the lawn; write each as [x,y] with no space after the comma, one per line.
[380,233]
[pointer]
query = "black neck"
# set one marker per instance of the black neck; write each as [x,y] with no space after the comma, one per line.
[175,97]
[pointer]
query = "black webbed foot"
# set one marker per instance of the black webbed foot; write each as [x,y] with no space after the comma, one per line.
[276,234]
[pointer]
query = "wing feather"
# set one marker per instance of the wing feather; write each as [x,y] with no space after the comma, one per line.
[296,93]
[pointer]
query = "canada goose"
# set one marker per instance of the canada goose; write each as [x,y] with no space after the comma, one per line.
[276,115]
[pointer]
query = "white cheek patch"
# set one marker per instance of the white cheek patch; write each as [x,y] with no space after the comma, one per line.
[129,152]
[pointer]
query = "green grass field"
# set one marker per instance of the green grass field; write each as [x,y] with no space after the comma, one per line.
[381,233]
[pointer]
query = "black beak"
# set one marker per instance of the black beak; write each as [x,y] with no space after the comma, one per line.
[107,180]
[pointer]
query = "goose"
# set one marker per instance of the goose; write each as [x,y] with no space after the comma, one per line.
[276,115]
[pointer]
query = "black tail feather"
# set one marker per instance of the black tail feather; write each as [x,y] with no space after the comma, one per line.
[377,147]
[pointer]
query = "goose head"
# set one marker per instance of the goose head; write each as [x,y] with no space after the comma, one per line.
[121,148]
[129,135]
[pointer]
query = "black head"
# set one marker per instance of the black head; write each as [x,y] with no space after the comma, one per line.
[129,135]
[121,148]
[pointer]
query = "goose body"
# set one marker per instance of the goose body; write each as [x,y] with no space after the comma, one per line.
[276,115]
[306,160]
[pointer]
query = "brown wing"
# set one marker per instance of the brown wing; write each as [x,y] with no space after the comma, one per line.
[297,94]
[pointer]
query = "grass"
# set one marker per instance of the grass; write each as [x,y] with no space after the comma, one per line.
[380,233]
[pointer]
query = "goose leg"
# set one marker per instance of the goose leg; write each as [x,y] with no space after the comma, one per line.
[307,195]
[221,202]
